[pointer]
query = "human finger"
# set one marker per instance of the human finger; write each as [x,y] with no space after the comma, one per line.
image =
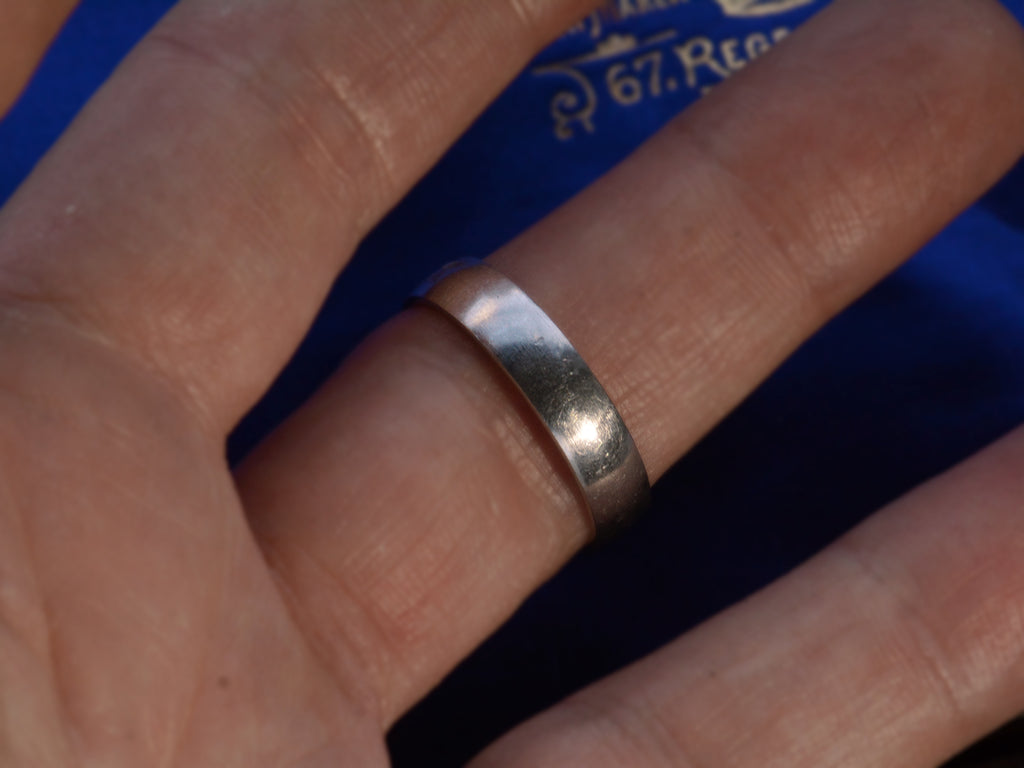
[196,214]
[414,503]
[26,29]
[899,645]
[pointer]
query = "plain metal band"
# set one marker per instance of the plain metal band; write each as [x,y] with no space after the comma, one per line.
[558,384]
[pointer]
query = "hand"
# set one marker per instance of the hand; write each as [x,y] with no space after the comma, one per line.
[25,30]
[162,263]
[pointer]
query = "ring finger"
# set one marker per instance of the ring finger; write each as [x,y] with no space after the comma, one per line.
[743,236]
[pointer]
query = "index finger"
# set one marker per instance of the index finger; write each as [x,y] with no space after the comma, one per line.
[196,214]
[26,28]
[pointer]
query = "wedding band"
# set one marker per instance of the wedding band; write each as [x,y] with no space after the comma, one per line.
[563,391]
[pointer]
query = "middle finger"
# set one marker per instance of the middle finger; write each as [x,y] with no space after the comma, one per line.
[196,214]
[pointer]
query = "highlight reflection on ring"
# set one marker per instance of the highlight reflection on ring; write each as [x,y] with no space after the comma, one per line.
[562,390]
[584,433]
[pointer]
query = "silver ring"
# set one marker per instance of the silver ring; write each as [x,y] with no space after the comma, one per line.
[563,391]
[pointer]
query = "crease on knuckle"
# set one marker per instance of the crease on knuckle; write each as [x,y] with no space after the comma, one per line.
[910,624]
[766,226]
[638,733]
[332,133]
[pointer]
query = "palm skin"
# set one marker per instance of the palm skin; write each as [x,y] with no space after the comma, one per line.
[141,625]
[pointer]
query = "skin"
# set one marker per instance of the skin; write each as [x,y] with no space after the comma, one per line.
[164,260]
[27,28]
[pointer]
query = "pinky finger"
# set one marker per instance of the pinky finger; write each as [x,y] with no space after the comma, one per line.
[26,29]
[898,646]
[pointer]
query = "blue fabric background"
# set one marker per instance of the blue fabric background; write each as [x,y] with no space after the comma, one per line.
[923,371]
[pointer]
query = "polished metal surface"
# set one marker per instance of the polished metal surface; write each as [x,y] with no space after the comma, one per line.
[557,383]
